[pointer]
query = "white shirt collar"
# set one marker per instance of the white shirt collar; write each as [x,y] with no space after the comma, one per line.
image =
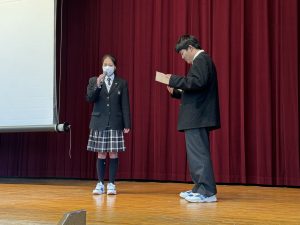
[112,77]
[200,51]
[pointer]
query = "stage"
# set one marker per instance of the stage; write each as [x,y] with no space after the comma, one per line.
[44,201]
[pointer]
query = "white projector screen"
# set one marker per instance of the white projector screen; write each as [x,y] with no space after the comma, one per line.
[27,65]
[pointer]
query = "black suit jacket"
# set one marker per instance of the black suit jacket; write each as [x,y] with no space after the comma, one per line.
[199,95]
[111,109]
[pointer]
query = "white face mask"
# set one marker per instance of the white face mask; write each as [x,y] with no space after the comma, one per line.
[108,70]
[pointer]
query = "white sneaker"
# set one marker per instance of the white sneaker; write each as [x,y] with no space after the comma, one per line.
[184,194]
[111,189]
[201,198]
[99,189]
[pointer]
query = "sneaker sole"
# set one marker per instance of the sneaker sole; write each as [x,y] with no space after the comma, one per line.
[97,193]
[201,201]
[195,201]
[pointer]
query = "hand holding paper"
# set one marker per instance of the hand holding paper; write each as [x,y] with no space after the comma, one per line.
[162,78]
[170,90]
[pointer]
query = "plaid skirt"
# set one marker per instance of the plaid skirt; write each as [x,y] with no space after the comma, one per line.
[106,141]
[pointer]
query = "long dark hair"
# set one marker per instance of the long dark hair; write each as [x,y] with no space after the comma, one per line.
[113,59]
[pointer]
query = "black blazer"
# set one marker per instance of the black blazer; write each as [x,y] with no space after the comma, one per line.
[111,109]
[199,95]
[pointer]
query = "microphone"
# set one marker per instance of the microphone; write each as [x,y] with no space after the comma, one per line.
[105,74]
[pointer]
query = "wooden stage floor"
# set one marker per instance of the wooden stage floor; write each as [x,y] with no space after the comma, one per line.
[40,201]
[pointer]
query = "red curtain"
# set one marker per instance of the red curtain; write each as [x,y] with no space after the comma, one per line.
[254,44]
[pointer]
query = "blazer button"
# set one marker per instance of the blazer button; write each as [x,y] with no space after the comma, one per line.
[107,105]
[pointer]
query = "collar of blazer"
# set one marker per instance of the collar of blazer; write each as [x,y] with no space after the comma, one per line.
[197,54]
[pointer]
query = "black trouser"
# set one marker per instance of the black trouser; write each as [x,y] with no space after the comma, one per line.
[200,165]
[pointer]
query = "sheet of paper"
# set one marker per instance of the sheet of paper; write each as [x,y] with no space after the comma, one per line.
[161,77]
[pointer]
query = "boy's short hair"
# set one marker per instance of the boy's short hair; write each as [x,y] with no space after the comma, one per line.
[185,41]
